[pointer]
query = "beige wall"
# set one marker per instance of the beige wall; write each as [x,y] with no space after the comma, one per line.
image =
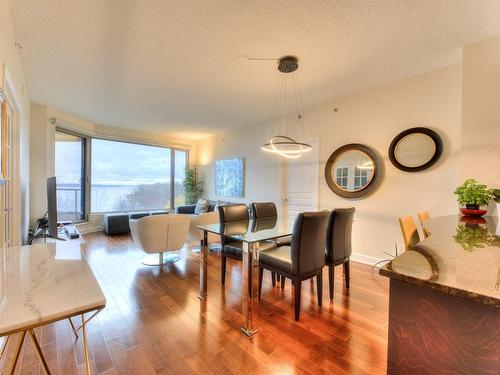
[42,148]
[10,62]
[481,112]
[373,118]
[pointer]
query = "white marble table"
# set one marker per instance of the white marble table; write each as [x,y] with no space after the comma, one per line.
[44,283]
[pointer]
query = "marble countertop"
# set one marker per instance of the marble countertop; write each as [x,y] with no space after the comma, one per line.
[45,282]
[459,257]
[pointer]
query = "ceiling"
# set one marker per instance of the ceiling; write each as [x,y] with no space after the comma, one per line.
[176,66]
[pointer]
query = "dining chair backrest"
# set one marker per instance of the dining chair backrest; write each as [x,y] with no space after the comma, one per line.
[409,231]
[338,235]
[422,217]
[262,210]
[233,212]
[308,242]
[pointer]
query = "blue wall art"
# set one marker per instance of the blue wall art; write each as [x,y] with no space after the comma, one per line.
[230,177]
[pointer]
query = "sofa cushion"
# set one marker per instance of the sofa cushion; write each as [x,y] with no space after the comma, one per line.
[138,215]
[201,207]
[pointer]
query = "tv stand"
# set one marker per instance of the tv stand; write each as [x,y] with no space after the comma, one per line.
[71,235]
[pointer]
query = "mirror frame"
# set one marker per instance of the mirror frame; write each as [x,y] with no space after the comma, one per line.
[438,143]
[336,154]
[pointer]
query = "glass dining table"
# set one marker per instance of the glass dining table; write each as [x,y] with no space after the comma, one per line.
[249,233]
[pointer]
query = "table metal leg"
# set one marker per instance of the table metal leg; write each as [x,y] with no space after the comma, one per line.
[249,278]
[203,266]
[73,328]
[19,346]
[85,344]
[38,351]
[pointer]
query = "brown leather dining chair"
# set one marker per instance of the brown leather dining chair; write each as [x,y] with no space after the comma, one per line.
[338,244]
[267,210]
[235,217]
[304,259]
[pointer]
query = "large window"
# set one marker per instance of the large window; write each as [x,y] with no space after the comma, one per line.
[130,177]
[123,176]
[70,174]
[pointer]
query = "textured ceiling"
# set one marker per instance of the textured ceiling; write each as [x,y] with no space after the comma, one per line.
[175,66]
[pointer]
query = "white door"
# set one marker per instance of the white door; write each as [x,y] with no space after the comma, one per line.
[302,178]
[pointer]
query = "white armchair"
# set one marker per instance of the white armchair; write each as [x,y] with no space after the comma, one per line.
[158,234]
[196,235]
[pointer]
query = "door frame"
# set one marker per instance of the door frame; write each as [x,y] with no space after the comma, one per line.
[16,217]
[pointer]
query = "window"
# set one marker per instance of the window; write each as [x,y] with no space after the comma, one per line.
[70,174]
[341,176]
[131,177]
[360,177]
[180,159]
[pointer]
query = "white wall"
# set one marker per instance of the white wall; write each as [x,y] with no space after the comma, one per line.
[481,112]
[374,118]
[10,59]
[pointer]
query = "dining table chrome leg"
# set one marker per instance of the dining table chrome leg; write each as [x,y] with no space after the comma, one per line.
[250,256]
[203,266]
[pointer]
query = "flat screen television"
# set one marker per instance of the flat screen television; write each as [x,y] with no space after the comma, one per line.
[52,206]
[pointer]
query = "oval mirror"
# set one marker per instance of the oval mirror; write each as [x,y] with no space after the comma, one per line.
[415,149]
[351,170]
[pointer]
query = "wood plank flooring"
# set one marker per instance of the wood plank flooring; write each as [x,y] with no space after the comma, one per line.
[155,324]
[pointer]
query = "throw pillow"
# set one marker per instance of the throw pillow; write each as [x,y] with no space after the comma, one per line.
[201,207]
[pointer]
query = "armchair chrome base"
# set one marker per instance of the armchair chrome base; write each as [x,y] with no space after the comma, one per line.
[161,259]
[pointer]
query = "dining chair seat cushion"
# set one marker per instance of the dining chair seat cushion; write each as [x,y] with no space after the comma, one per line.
[279,258]
[235,248]
[284,241]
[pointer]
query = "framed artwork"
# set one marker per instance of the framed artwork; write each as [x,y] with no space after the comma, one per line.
[230,177]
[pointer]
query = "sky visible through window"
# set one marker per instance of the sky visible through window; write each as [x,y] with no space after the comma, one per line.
[124,176]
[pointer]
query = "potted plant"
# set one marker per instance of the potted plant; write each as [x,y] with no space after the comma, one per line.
[473,196]
[193,187]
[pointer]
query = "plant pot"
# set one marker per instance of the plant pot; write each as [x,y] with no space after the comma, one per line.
[473,213]
[472,206]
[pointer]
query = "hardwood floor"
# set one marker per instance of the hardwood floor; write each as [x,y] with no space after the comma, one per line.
[155,324]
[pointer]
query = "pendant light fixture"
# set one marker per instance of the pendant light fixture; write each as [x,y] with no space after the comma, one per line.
[283,144]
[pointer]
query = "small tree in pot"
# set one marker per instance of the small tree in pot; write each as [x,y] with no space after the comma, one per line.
[193,187]
[473,195]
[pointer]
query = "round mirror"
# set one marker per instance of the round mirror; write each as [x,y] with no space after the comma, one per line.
[415,149]
[351,170]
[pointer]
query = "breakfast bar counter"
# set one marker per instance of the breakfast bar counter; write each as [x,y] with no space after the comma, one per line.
[444,302]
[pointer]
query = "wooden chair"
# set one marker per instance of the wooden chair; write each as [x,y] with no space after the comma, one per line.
[409,231]
[422,217]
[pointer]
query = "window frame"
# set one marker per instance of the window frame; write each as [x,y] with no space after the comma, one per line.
[85,154]
[87,167]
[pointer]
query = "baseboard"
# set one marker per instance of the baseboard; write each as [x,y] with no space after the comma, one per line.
[365,259]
